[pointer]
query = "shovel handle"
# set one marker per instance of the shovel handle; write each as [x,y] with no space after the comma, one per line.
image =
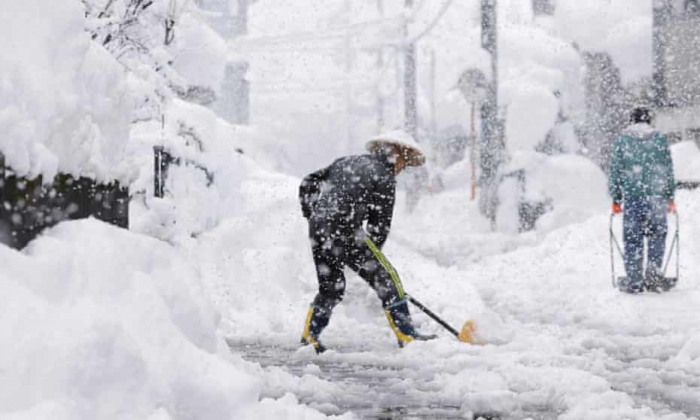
[431,314]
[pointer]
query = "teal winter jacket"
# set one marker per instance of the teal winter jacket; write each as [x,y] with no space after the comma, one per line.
[641,165]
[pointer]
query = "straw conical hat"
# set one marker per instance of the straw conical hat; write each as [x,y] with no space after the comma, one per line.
[402,140]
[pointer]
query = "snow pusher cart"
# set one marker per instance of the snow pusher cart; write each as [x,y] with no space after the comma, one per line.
[658,284]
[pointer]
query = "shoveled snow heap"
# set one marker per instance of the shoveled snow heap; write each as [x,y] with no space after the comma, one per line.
[64,100]
[98,322]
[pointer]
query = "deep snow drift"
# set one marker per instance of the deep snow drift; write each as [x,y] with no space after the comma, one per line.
[98,322]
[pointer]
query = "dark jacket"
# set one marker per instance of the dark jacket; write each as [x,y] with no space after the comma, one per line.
[351,191]
[641,165]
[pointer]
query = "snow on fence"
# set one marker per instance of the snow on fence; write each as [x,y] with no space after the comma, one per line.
[28,206]
[528,210]
[161,165]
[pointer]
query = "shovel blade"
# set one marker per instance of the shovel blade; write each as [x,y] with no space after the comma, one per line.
[467,334]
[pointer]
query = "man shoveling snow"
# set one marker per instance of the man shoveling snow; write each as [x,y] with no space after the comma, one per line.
[337,201]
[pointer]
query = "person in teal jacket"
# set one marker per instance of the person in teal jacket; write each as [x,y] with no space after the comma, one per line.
[642,184]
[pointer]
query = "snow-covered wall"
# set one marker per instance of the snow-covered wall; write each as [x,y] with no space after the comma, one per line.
[64,101]
[97,322]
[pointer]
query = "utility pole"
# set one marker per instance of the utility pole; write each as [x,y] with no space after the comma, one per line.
[472,149]
[380,66]
[661,17]
[231,21]
[492,131]
[410,93]
[433,77]
[474,87]
[347,84]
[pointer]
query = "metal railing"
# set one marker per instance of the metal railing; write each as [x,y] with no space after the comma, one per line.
[162,160]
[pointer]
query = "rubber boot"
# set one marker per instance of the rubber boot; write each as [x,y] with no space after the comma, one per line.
[400,321]
[316,320]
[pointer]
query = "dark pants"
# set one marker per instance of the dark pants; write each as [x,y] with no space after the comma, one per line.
[335,247]
[644,217]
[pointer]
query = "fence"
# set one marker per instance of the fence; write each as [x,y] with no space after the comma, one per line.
[30,205]
[528,211]
[163,159]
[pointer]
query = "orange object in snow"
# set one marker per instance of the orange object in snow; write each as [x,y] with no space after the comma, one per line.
[467,333]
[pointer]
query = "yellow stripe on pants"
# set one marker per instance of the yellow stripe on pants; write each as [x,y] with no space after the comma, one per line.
[387,266]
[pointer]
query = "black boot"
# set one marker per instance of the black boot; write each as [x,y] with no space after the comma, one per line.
[401,323]
[654,283]
[316,320]
[627,286]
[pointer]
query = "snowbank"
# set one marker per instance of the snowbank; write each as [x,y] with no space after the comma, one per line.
[572,186]
[64,101]
[66,104]
[102,323]
[215,158]
[686,161]
[534,66]
[98,322]
[199,53]
[576,187]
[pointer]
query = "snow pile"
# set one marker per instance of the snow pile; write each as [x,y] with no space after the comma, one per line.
[573,185]
[535,83]
[571,189]
[686,161]
[198,52]
[64,101]
[101,323]
[203,188]
[67,102]
[97,322]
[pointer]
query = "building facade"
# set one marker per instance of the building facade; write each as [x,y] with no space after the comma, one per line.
[676,52]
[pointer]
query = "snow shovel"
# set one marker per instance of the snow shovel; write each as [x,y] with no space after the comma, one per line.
[664,283]
[466,335]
